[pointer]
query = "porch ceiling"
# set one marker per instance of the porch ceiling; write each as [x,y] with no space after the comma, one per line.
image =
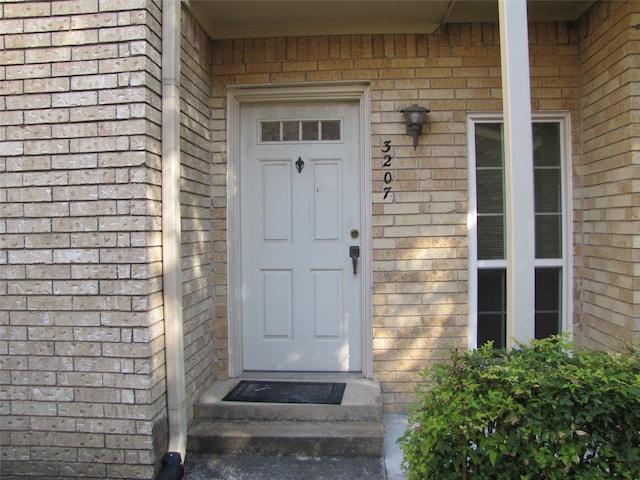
[268,18]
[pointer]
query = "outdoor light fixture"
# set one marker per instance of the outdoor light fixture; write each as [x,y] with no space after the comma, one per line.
[414,116]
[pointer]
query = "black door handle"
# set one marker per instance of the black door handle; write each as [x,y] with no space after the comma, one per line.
[354,253]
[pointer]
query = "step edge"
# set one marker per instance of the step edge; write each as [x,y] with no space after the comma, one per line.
[299,412]
[284,426]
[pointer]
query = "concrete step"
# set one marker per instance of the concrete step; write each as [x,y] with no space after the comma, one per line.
[361,401]
[280,438]
[353,428]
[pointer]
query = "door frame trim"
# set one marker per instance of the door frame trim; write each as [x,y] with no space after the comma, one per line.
[343,91]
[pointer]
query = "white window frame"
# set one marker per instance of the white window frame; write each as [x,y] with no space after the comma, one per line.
[566,263]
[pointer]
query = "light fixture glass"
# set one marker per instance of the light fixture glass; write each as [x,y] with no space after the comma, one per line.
[414,116]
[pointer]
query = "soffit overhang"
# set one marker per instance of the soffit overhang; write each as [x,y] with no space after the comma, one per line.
[223,19]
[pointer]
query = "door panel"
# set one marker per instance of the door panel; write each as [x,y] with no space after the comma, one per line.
[276,201]
[327,303]
[277,292]
[327,200]
[300,198]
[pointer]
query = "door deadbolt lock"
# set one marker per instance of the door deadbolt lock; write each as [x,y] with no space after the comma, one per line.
[354,233]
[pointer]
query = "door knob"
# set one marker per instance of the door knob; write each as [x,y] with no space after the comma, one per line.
[354,253]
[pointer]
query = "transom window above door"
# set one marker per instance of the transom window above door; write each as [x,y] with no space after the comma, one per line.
[300,131]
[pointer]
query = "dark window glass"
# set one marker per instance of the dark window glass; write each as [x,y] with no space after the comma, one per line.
[549,236]
[548,301]
[290,131]
[270,132]
[310,130]
[490,237]
[489,145]
[490,191]
[300,130]
[492,306]
[546,144]
[548,189]
[331,130]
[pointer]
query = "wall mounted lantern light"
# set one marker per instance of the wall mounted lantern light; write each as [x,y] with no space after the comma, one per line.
[414,116]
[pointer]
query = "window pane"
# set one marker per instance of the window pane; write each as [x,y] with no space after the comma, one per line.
[270,132]
[310,130]
[489,145]
[491,237]
[492,307]
[548,302]
[290,131]
[546,144]
[548,236]
[491,327]
[490,191]
[548,190]
[491,289]
[331,130]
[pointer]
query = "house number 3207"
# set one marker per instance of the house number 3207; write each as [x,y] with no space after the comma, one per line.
[386,166]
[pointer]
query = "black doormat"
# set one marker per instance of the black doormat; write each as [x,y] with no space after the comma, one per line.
[287,392]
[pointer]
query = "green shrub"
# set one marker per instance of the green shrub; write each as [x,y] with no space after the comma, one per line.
[539,411]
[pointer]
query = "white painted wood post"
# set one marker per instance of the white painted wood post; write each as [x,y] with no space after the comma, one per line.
[520,218]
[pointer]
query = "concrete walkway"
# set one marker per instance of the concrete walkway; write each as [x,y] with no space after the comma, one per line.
[242,467]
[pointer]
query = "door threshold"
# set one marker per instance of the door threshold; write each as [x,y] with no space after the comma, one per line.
[263,375]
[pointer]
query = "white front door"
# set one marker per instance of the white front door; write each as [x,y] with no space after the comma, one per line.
[300,217]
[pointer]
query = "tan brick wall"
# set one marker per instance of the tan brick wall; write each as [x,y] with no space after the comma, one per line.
[420,302]
[608,190]
[82,384]
[197,222]
[82,381]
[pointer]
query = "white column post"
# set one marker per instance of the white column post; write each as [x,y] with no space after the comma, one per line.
[520,222]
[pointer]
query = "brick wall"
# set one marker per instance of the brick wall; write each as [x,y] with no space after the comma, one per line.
[419,232]
[196,200]
[82,381]
[608,192]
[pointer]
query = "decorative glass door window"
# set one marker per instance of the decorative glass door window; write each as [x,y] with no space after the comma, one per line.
[488,230]
[300,130]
